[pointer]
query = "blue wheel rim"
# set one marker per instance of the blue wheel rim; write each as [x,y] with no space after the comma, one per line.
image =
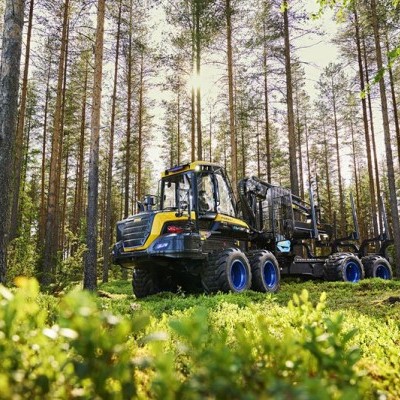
[382,271]
[352,271]
[269,273]
[238,275]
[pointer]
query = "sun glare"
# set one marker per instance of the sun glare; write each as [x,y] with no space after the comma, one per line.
[196,81]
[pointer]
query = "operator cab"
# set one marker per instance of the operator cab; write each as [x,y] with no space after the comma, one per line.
[202,188]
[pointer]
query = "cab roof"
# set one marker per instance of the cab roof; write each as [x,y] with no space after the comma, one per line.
[194,166]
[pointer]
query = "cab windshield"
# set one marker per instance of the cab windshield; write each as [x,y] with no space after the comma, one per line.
[176,192]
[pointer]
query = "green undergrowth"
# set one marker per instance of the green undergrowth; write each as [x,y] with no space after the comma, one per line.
[312,340]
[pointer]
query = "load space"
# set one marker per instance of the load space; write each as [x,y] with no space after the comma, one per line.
[195,236]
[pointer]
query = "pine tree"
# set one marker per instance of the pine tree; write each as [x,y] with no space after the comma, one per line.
[90,266]
[9,81]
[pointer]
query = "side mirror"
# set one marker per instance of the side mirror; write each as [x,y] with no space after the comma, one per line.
[149,202]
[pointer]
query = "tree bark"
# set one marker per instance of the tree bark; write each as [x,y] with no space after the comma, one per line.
[394,102]
[140,129]
[78,201]
[20,131]
[107,227]
[388,147]
[42,221]
[46,271]
[9,82]
[266,107]
[339,167]
[371,124]
[366,129]
[128,121]
[90,268]
[198,89]
[294,179]
[232,128]
[327,173]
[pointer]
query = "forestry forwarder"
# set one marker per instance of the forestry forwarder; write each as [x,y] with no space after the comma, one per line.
[304,245]
[193,238]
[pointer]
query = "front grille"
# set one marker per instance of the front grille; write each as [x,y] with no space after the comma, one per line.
[136,230]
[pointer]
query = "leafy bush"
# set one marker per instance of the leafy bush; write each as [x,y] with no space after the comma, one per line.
[84,355]
[75,347]
[312,360]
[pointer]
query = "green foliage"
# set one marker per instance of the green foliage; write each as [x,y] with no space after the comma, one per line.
[85,354]
[246,346]
[312,360]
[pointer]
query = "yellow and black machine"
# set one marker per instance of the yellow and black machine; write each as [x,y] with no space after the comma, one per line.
[190,236]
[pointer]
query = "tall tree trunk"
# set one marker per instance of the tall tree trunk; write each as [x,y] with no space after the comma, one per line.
[386,131]
[46,272]
[258,151]
[64,204]
[232,129]
[193,91]
[198,89]
[366,129]
[341,195]
[128,121]
[140,130]
[356,178]
[90,268]
[60,160]
[266,107]
[371,124]
[78,201]
[210,136]
[307,150]
[107,228]
[394,101]
[178,156]
[42,221]
[193,125]
[299,147]
[327,173]
[9,81]
[20,130]
[294,178]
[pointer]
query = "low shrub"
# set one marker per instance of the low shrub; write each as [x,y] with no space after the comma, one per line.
[75,347]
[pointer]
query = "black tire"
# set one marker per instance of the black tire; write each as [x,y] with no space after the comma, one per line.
[266,275]
[144,282]
[376,266]
[227,271]
[343,267]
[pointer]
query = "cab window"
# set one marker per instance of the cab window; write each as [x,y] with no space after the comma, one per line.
[205,190]
[176,192]
[225,203]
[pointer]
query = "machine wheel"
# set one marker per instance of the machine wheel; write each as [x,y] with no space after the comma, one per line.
[227,271]
[144,283]
[377,267]
[265,272]
[343,267]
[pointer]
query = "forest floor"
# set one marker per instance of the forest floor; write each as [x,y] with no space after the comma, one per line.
[371,297]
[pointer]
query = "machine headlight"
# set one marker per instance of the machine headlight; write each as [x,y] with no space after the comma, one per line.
[161,246]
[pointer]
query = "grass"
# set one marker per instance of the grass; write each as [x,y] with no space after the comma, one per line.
[371,297]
